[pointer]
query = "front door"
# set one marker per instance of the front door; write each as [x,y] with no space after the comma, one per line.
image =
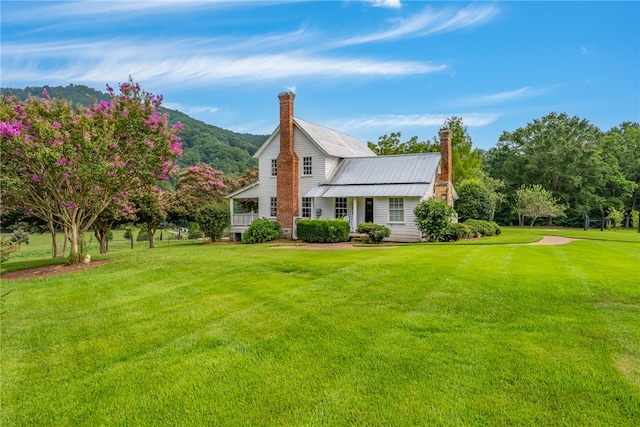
[368,210]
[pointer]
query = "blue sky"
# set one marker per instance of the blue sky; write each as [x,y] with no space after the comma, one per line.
[365,68]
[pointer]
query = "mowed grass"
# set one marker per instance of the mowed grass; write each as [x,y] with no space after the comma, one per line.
[427,334]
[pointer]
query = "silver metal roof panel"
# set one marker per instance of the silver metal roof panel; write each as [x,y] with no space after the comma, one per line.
[401,169]
[381,190]
[333,143]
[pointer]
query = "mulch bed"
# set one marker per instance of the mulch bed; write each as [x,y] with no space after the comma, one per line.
[49,270]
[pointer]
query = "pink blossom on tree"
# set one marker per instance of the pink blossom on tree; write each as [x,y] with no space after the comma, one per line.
[68,165]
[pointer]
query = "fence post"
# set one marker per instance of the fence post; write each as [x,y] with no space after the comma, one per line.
[586,222]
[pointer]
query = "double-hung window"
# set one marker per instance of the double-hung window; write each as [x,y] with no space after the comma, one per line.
[307,166]
[306,207]
[274,167]
[341,207]
[273,207]
[396,209]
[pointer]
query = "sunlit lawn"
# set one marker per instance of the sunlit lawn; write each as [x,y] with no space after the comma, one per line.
[428,334]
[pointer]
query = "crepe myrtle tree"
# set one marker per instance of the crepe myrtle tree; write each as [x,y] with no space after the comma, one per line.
[197,186]
[72,163]
[151,210]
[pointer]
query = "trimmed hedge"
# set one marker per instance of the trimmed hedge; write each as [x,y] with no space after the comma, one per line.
[376,232]
[323,230]
[484,228]
[455,232]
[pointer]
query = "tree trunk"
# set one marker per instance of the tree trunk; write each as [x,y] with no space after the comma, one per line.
[64,245]
[549,221]
[101,230]
[75,244]
[533,219]
[54,242]
[151,232]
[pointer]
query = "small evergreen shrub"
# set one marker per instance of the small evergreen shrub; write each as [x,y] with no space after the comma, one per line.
[195,234]
[127,234]
[455,232]
[143,236]
[376,232]
[432,218]
[496,227]
[484,228]
[213,220]
[323,230]
[260,231]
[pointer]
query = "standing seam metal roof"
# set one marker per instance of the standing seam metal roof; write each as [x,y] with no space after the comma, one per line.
[333,143]
[402,175]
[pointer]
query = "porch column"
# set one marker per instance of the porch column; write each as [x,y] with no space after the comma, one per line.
[231,212]
[354,215]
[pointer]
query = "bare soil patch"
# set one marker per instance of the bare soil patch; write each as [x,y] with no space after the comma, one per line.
[49,270]
[553,240]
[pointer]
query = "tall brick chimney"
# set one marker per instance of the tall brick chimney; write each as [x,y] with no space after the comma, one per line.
[444,184]
[287,162]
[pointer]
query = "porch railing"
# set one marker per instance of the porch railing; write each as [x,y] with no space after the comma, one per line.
[243,219]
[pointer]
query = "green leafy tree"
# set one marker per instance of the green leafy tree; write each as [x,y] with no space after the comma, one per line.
[620,148]
[388,145]
[535,202]
[67,165]
[213,219]
[151,210]
[433,218]
[465,160]
[474,201]
[559,152]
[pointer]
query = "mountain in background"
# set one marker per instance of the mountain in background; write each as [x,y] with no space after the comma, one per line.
[223,149]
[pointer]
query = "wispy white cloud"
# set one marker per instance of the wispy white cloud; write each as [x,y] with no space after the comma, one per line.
[414,120]
[191,109]
[500,97]
[394,4]
[178,61]
[428,22]
[115,9]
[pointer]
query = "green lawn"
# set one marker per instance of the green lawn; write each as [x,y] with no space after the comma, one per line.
[424,334]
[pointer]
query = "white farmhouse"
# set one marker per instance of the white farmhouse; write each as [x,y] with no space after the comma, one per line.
[309,171]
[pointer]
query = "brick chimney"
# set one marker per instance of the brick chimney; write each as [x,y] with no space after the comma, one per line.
[444,183]
[287,162]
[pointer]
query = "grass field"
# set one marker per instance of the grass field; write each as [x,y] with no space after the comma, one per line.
[487,333]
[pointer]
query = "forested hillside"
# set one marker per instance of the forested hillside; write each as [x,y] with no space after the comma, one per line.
[225,150]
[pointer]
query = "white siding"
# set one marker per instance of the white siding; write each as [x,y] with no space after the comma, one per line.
[405,231]
[305,148]
[330,164]
[268,183]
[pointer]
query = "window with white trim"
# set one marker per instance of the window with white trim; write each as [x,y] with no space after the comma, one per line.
[307,168]
[273,208]
[396,209]
[306,207]
[341,207]
[274,167]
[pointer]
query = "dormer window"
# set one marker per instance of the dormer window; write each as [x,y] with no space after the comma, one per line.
[307,168]
[274,167]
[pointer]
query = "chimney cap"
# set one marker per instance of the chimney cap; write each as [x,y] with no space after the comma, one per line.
[286,94]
